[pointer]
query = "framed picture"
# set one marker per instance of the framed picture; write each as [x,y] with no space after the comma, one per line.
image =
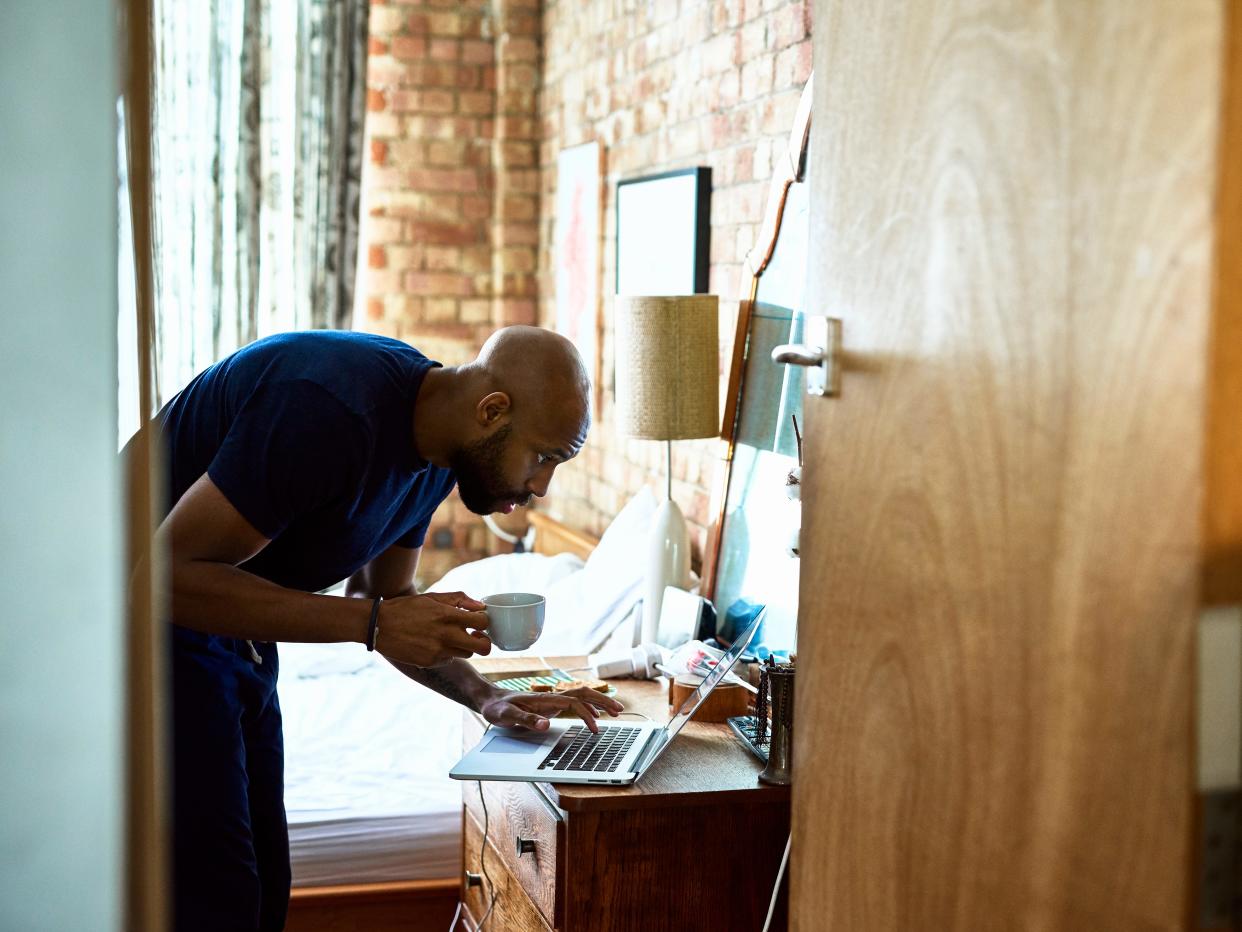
[578,227]
[663,233]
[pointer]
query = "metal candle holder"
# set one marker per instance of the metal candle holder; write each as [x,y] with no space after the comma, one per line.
[777,682]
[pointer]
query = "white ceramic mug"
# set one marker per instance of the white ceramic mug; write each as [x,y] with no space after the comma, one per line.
[516,619]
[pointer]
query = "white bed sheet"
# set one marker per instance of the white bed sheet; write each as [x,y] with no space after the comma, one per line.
[367,751]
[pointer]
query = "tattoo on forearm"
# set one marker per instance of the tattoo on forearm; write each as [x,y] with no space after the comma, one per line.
[435,678]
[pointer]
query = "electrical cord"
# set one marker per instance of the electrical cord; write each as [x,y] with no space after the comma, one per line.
[482,866]
[776,887]
[644,715]
[483,862]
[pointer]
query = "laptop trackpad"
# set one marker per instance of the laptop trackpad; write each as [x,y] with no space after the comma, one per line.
[515,744]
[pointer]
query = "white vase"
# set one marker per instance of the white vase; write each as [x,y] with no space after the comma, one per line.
[668,564]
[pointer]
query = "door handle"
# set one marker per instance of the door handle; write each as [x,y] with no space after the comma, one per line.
[820,355]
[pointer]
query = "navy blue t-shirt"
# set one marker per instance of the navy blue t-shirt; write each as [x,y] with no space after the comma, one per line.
[311,437]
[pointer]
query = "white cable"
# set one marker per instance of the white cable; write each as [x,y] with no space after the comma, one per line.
[644,715]
[776,888]
[527,540]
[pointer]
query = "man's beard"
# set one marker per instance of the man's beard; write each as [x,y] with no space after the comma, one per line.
[480,480]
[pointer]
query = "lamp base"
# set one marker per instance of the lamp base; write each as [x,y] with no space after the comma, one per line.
[668,564]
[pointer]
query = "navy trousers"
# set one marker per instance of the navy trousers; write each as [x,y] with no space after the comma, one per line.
[230,838]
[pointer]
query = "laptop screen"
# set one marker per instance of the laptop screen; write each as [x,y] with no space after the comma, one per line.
[723,666]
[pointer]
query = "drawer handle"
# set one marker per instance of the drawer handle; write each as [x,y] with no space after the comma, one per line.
[525,846]
[473,879]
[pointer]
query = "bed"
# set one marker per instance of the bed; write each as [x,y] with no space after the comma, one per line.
[374,820]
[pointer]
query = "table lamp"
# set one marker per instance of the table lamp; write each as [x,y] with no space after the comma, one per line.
[668,376]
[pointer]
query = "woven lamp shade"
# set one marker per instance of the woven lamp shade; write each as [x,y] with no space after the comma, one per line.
[668,366]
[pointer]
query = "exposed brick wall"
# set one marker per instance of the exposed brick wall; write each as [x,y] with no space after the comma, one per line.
[471,102]
[665,85]
[451,193]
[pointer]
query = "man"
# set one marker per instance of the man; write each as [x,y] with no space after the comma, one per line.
[301,460]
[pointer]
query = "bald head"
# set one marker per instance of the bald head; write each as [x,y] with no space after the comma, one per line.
[535,364]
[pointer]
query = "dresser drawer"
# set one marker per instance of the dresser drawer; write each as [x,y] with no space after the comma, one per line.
[528,833]
[513,911]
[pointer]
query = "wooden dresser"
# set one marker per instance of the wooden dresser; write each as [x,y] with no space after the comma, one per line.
[696,844]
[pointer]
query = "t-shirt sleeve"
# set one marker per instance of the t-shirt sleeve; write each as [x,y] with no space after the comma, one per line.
[291,448]
[439,490]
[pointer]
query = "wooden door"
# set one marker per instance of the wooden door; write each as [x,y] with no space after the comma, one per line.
[1012,215]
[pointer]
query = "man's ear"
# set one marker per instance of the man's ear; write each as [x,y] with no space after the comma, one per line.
[492,409]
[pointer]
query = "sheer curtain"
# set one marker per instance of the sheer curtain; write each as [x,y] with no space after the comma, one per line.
[257,154]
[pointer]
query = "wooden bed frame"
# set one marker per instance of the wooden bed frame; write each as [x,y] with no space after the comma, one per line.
[411,905]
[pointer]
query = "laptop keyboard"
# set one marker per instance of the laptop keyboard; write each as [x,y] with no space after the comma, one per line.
[580,749]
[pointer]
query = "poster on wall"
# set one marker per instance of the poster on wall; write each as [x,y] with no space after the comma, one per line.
[577,251]
[663,230]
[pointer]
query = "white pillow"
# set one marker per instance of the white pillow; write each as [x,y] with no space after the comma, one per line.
[507,572]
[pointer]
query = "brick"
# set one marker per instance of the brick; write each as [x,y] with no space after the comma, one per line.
[463,180]
[375,100]
[376,258]
[793,66]
[475,311]
[517,260]
[384,230]
[440,49]
[406,153]
[438,283]
[477,52]
[444,24]
[376,46]
[439,101]
[446,151]
[409,48]
[757,77]
[520,49]
[384,72]
[789,25]
[445,233]
[440,310]
[404,257]
[475,102]
[442,258]
[385,21]
[475,260]
[521,75]
[375,309]
[778,112]
[521,181]
[476,208]
[752,40]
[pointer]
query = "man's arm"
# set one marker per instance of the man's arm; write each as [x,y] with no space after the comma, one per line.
[206,538]
[392,574]
[393,571]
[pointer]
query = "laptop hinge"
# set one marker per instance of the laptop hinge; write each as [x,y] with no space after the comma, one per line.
[655,741]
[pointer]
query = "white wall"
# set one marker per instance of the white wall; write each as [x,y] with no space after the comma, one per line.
[60,502]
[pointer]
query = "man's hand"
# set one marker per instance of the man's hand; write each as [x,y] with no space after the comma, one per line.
[532,710]
[428,630]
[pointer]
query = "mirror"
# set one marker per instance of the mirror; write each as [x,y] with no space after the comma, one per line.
[752,565]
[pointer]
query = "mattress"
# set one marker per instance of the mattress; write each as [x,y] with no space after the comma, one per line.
[367,755]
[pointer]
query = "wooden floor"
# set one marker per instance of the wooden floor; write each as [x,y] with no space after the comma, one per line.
[415,906]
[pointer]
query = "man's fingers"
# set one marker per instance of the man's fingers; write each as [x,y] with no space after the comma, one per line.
[531,720]
[471,643]
[467,619]
[597,699]
[457,600]
[585,712]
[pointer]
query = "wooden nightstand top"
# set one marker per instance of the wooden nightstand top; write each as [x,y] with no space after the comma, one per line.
[706,764]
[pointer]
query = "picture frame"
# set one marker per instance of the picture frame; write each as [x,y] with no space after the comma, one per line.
[579,226]
[663,233]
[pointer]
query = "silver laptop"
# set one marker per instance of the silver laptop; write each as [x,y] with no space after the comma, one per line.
[569,753]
